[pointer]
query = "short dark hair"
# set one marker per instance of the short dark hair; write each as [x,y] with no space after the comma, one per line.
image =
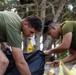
[35,22]
[46,26]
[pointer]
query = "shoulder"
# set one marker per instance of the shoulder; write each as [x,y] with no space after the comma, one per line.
[67,27]
[67,24]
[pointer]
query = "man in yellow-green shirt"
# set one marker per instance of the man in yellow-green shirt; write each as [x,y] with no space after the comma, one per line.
[66,30]
[11,26]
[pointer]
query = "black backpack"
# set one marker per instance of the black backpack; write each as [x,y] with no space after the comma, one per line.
[35,60]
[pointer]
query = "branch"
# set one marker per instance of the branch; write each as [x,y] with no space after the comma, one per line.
[23,6]
[53,10]
[56,16]
[36,7]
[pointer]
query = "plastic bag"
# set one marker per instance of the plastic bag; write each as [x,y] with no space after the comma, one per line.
[35,60]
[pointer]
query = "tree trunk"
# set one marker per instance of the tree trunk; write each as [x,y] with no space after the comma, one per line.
[57,15]
[42,16]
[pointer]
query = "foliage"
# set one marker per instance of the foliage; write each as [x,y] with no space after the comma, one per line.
[26,1]
[2,6]
[62,55]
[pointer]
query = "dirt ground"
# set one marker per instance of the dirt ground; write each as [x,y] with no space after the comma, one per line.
[56,69]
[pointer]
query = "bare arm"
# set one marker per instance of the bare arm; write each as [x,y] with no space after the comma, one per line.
[20,61]
[71,57]
[67,59]
[63,46]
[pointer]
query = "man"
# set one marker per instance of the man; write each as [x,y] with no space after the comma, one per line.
[11,26]
[67,31]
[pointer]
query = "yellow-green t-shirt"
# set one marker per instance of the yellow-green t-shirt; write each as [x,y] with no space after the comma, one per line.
[70,26]
[10,29]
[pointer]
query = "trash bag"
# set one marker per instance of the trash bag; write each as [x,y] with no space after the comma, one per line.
[35,60]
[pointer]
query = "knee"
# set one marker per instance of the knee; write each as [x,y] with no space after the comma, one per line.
[4,61]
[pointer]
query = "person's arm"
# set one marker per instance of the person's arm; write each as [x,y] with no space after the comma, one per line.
[14,40]
[63,46]
[67,59]
[20,61]
[71,57]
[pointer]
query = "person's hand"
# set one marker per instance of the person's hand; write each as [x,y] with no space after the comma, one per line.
[46,52]
[6,48]
[55,63]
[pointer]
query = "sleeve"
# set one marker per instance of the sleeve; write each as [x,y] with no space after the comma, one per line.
[67,27]
[13,37]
